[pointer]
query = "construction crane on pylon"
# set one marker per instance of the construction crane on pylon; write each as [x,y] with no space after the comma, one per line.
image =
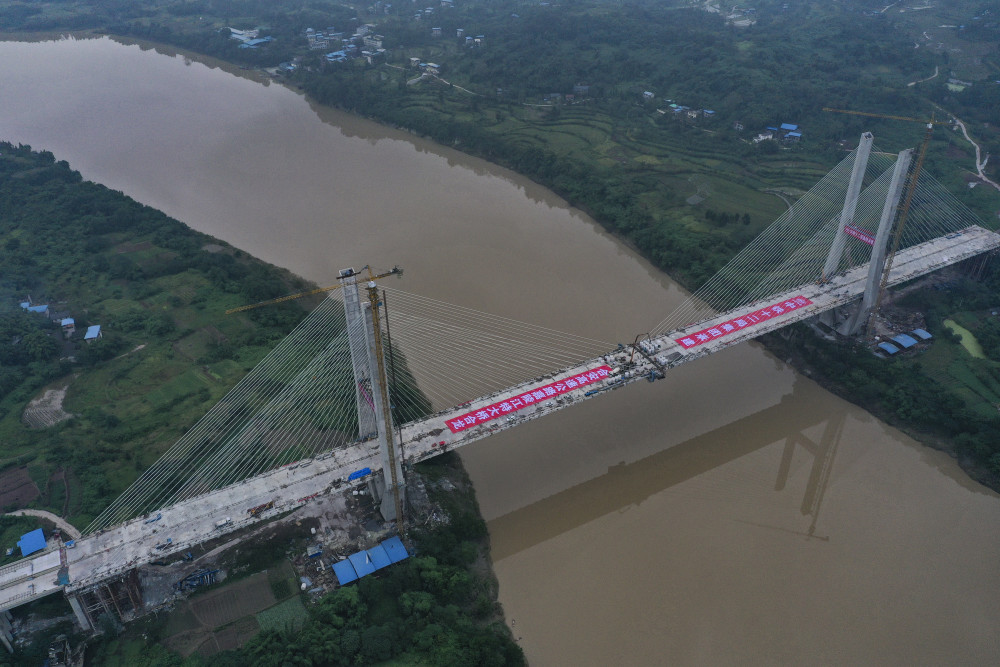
[904,209]
[379,372]
[394,271]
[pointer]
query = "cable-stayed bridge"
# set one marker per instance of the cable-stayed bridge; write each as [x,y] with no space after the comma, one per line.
[366,385]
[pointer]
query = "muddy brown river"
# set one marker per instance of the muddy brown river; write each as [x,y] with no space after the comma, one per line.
[733,513]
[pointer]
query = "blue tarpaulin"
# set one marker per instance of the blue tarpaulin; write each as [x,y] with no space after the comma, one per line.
[362,563]
[345,572]
[379,558]
[32,542]
[394,547]
[358,473]
[888,348]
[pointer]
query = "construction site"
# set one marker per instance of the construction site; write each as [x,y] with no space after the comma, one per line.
[311,457]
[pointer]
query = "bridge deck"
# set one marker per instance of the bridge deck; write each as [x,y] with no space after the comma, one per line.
[142,540]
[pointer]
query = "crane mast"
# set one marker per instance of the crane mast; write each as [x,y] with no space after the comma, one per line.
[383,387]
[897,236]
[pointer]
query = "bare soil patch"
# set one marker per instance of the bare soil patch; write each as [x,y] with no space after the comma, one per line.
[233,601]
[134,247]
[188,642]
[17,488]
[46,410]
[231,637]
[219,620]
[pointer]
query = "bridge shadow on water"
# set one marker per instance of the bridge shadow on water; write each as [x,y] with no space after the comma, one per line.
[629,484]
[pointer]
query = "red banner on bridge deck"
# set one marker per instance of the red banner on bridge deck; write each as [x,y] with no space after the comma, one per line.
[749,320]
[859,234]
[521,401]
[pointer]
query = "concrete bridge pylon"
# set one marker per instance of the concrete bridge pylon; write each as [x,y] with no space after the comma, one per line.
[372,391]
[849,320]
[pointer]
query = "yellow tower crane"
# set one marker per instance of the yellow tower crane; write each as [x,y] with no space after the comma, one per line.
[373,298]
[911,185]
[394,271]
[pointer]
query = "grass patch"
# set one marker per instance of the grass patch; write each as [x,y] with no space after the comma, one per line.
[290,614]
[969,341]
[282,579]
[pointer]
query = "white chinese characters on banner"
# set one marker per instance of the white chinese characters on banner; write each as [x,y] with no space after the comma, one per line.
[742,322]
[527,398]
[859,234]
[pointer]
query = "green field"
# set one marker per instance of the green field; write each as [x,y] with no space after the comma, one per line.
[158,290]
[287,615]
[969,341]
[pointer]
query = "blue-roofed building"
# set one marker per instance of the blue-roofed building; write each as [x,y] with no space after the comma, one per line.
[345,572]
[42,310]
[93,332]
[395,549]
[772,129]
[362,563]
[789,127]
[371,560]
[32,542]
[708,112]
[904,341]
[793,136]
[921,334]
[888,348]
[67,322]
[254,43]
[25,304]
[379,557]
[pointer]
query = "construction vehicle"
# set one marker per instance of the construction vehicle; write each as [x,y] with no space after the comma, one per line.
[260,509]
[203,577]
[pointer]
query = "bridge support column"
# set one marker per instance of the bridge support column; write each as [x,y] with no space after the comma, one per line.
[885,225]
[81,615]
[374,413]
[6,636]
[358,324]
[391,485]
[850,205]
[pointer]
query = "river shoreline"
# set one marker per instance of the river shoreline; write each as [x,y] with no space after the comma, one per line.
[687,478]
[794,357]
[775,344]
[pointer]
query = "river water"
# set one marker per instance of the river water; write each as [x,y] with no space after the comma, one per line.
[733,513]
